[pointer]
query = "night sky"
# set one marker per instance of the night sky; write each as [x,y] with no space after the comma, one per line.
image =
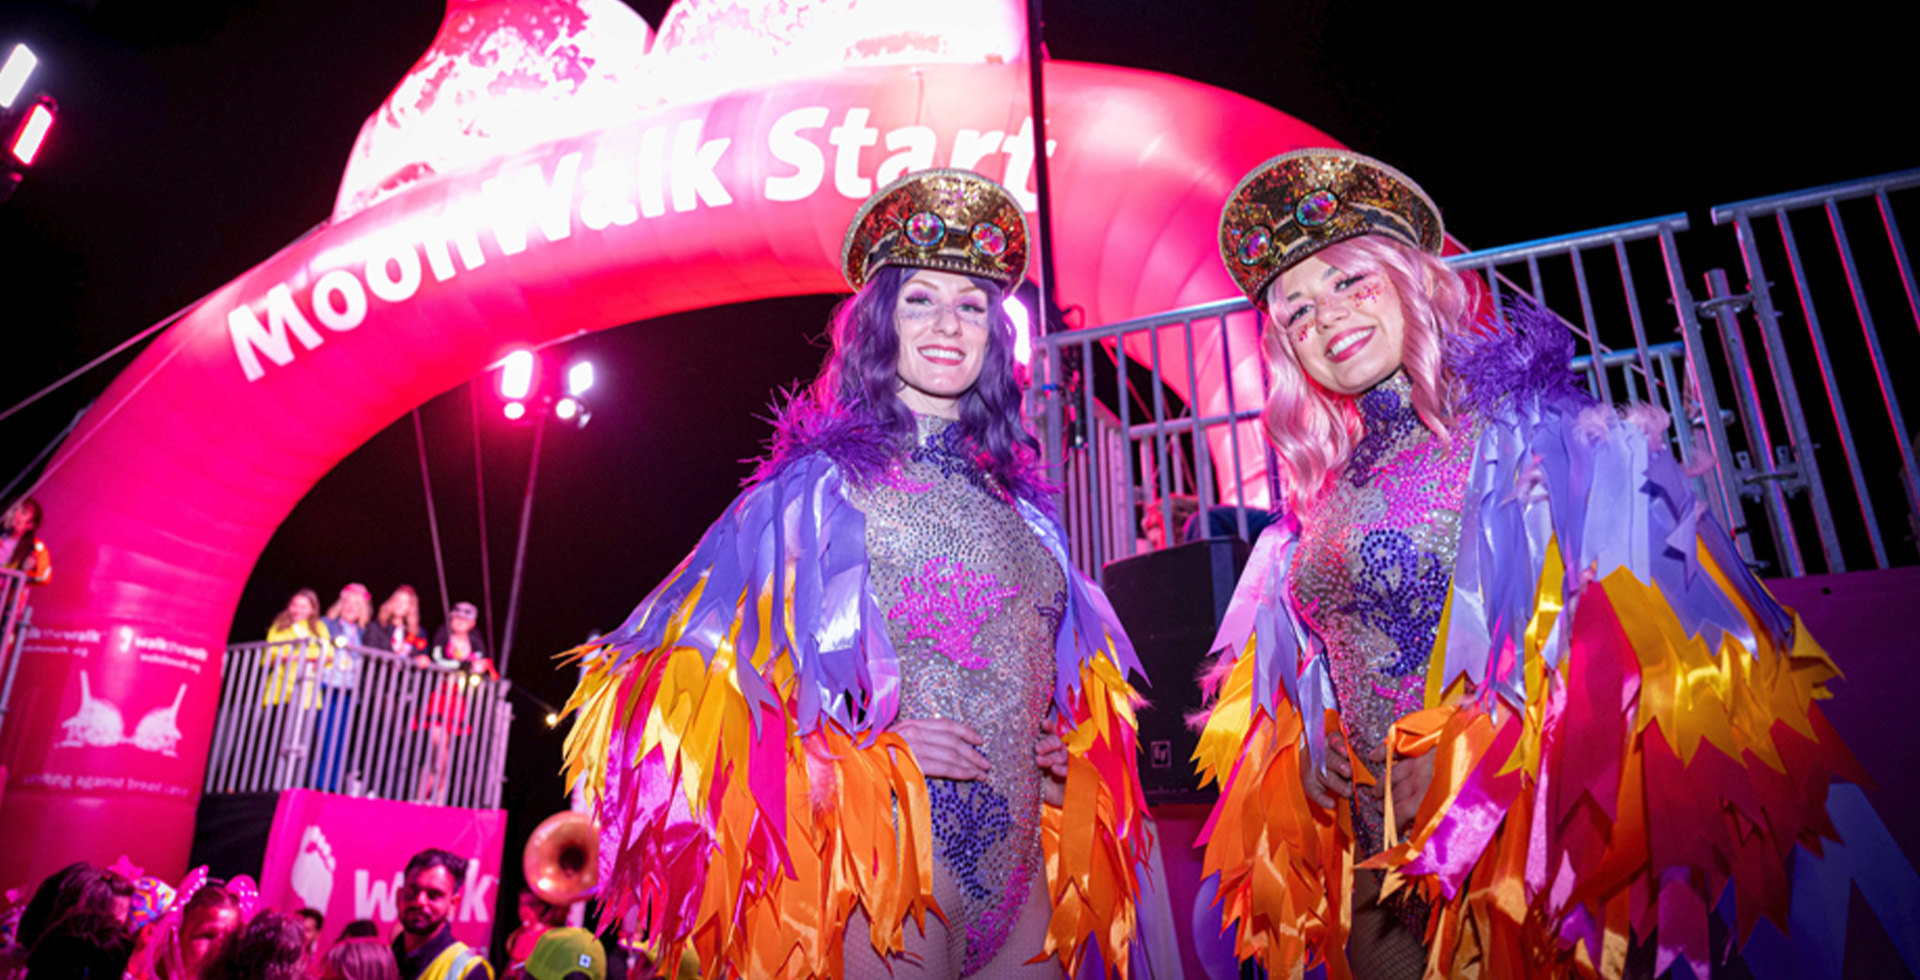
[194,140]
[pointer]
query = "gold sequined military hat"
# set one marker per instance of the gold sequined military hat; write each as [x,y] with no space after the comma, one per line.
[951,220]
[1301,202]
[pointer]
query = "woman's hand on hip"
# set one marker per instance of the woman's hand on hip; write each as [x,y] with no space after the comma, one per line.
[943,749]
[1411,777]
[1335,780]
[1050,754]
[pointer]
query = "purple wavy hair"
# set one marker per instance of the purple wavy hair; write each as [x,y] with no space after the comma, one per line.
[851,412]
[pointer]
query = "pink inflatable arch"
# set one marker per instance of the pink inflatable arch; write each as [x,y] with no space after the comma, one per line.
[165,496]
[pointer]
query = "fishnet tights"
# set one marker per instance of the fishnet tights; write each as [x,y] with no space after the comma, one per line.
[1381,946]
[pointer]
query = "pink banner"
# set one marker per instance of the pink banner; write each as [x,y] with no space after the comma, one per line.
[345,856]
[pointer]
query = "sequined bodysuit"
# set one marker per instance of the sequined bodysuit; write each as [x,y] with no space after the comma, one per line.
[1371,572]
[973,603]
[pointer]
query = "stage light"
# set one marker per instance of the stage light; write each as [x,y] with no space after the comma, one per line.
[579,378]
[516,378]
[27,140]
[553,720]
[566,408]
[515,411]
[1022,329]
[13,77]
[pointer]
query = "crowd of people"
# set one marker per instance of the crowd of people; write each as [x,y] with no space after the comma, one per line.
[314,661]
[86,922]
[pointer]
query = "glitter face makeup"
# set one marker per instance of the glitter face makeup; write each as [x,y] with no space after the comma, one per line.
[1346,328]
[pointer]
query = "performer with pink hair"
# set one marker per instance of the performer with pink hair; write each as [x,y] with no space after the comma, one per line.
[1496,697]
[876,725]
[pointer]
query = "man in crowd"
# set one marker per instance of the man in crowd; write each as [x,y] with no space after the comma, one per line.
[425,947]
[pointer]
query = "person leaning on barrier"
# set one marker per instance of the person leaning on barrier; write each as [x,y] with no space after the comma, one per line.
[459,652]
[425,948]
[20,546]
[860,670]
[346,622]
[396,627]
[302,649]
[1487,584]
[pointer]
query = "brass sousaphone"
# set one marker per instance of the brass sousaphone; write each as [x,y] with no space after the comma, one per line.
[562,858]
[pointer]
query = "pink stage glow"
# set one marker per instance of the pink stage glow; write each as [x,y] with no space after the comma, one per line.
[455,245]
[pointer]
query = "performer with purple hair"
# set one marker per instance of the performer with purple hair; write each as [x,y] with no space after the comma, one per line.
[876,725]
[1497,697]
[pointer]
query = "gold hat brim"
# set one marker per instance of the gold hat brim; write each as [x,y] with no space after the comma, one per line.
[982,231]
[1298,203]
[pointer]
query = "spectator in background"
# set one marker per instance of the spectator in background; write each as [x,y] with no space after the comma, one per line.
[78,913]
[346,623]
[360,929]
[459,651]
[77,887]
[85,944]
[312,921]
[1183,506]
[425,948]
[567,954]
[536,917]
[456,646]
[209,921]
[20,546]
[302,649]
[347,619]
[359,959]
[1190,524]
[271,947]
[396,626]
[22,551]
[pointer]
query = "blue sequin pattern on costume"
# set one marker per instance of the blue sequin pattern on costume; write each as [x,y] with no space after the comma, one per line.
[968,818]
[1370,575]
[973,602]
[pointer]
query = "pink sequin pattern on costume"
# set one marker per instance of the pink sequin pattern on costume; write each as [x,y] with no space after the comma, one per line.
[947,604]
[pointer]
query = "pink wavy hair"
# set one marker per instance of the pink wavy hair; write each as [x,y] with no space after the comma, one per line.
[1314,430]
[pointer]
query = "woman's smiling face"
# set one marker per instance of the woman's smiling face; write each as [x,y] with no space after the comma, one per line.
[942,319]
[1345,329]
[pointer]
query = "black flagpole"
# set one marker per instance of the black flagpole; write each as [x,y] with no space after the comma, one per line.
[1037,95]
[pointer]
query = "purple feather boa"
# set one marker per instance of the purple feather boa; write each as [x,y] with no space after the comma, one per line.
[861,447]
[865,450]
[1523,359]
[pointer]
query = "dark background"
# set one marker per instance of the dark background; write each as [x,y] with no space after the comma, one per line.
[196,139]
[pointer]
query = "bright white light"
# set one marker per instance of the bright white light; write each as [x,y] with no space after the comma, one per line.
[13,77]
[516,378]
[579,378]
[553,720]
[566,409]
[1022,332]
[515,410]
[39,120]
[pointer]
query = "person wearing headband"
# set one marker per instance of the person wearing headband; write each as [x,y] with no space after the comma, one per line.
[1458,716]
[876,724]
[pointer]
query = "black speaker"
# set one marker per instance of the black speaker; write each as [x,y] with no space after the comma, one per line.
[1171,603]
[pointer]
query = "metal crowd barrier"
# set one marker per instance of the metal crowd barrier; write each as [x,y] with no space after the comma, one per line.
[1125,439]
[357,721]
[1790,460]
